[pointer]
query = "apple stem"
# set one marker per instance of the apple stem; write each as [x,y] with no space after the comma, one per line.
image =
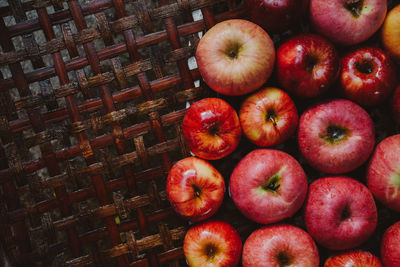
[197,191]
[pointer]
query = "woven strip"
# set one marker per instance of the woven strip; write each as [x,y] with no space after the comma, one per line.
[92,95]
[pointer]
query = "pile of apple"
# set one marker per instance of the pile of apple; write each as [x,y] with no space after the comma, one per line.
[340,78]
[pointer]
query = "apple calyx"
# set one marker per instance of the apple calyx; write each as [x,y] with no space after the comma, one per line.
[196,191]
[345,213]
[284,259]
[311,61]
[214,129]
[334,134]
[365,66]
[355,7]
[233,50]
[211,250]
[273,183]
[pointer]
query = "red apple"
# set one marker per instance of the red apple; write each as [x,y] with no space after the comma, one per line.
[391,32]
[268,117]
[211,128]
[396,104]
[383,173]
[368,76]
[268,185]
[235,57]
[214,243]
[276,16]
[390,246]
[340,212]
[347,22]
[353,259]
[307,65]
[336,136]
[195,188]
[280,245]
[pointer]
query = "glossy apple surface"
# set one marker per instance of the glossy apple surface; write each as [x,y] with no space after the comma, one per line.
[195,188]
[307,65]
[383,173]
[347,22]
[368,76]
[268,117]
[213,243]
[280,245]
[235,57]
[396,104]
[276,16]
[340,212]
[336,136]
[390,246]
[211,128]
[268,185]
[391,32]
[353,259]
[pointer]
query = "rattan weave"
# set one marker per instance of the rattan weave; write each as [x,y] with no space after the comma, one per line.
[92,94]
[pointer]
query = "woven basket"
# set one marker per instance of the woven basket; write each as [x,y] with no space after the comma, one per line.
[92,94]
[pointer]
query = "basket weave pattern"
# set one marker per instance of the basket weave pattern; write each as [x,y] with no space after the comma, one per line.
[101,102]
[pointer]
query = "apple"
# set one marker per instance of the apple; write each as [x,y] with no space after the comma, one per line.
[391,32]
[280,245]
[339,212]
[268,185]
[235,57]
[353,259]
[195,189]
[396,104]
[268,117]
[383,173]
[336,136]
[211,128]
[347,22]
[276,16]
[390,246]
[307,65]
[368,76]
[214,243]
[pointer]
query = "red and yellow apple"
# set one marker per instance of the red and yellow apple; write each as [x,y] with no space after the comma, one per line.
[195,188]
[353,259]
[211,128]
[213,243]
[268,117]
[235,57]
[391,32]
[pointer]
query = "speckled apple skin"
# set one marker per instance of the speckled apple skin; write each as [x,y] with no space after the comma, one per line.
[383,173]
[343,156]
[326,200]
[390,246]
[263,246]
[253,171]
